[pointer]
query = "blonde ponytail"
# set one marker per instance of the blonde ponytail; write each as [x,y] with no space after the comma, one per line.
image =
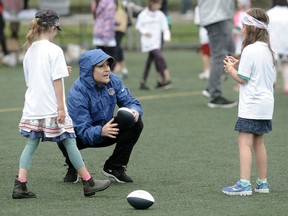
[34,30]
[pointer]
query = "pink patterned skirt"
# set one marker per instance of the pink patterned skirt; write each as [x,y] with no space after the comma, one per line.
[47,129]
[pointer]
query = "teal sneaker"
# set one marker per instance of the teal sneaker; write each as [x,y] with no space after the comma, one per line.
[238,189]
[262,187]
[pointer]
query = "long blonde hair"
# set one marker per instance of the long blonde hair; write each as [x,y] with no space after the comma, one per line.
[35,29]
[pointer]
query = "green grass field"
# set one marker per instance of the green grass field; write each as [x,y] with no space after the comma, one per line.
[186,154]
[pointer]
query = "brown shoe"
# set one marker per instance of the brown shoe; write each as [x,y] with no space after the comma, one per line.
[20,191]
[92,186]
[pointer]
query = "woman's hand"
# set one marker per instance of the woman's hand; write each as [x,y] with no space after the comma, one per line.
[110,129]
[136,115]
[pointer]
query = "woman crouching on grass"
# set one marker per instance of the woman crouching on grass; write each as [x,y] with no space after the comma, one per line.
[45,114]
[256,74]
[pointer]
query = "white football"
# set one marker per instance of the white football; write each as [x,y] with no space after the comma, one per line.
[125,109]
[125,118]
[140,199]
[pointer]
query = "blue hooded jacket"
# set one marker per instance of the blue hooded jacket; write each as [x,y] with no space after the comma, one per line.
[91,105]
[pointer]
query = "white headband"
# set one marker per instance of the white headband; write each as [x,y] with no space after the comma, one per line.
[251,21]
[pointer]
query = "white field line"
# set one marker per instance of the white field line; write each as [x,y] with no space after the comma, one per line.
[141,98]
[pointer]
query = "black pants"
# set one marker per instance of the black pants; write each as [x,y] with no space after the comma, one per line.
[119,49]
[125,142]
[157,56]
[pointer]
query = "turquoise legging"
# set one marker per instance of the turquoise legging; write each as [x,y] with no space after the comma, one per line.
[70,145]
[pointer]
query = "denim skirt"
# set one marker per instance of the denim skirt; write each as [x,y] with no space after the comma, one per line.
[257,127]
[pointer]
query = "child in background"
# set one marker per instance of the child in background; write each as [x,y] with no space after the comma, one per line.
[204,47]
[278,30]
[256,75]
[121,25]
[243,6]
[151,22]
[8,58]
[45,113]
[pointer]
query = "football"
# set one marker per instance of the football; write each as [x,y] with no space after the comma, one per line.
[140,199]
[125,118]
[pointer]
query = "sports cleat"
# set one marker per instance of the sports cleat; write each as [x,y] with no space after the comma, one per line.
[262,187]
[71,175]
[92,186]
[119,175]
[238,189]
[221,102]
[20,191]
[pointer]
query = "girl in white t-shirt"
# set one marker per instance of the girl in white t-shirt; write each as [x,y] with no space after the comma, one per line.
[45,114]
[256,74]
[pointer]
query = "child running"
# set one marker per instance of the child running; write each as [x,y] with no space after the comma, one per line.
[256,75]
[151,23]
[45,114]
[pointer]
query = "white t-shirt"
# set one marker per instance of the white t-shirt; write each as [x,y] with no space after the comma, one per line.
[256,96]
[154,22]
[278,29]
[43,63]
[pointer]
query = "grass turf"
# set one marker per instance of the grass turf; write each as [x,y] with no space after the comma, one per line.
[186,153]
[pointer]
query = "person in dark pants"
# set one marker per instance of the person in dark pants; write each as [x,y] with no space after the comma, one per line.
[91,103]
[216,18]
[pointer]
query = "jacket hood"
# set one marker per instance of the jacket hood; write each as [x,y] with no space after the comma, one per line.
[87,61]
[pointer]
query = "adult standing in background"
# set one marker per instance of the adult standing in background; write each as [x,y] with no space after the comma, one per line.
[216,17]
[104,26]
[278,31]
